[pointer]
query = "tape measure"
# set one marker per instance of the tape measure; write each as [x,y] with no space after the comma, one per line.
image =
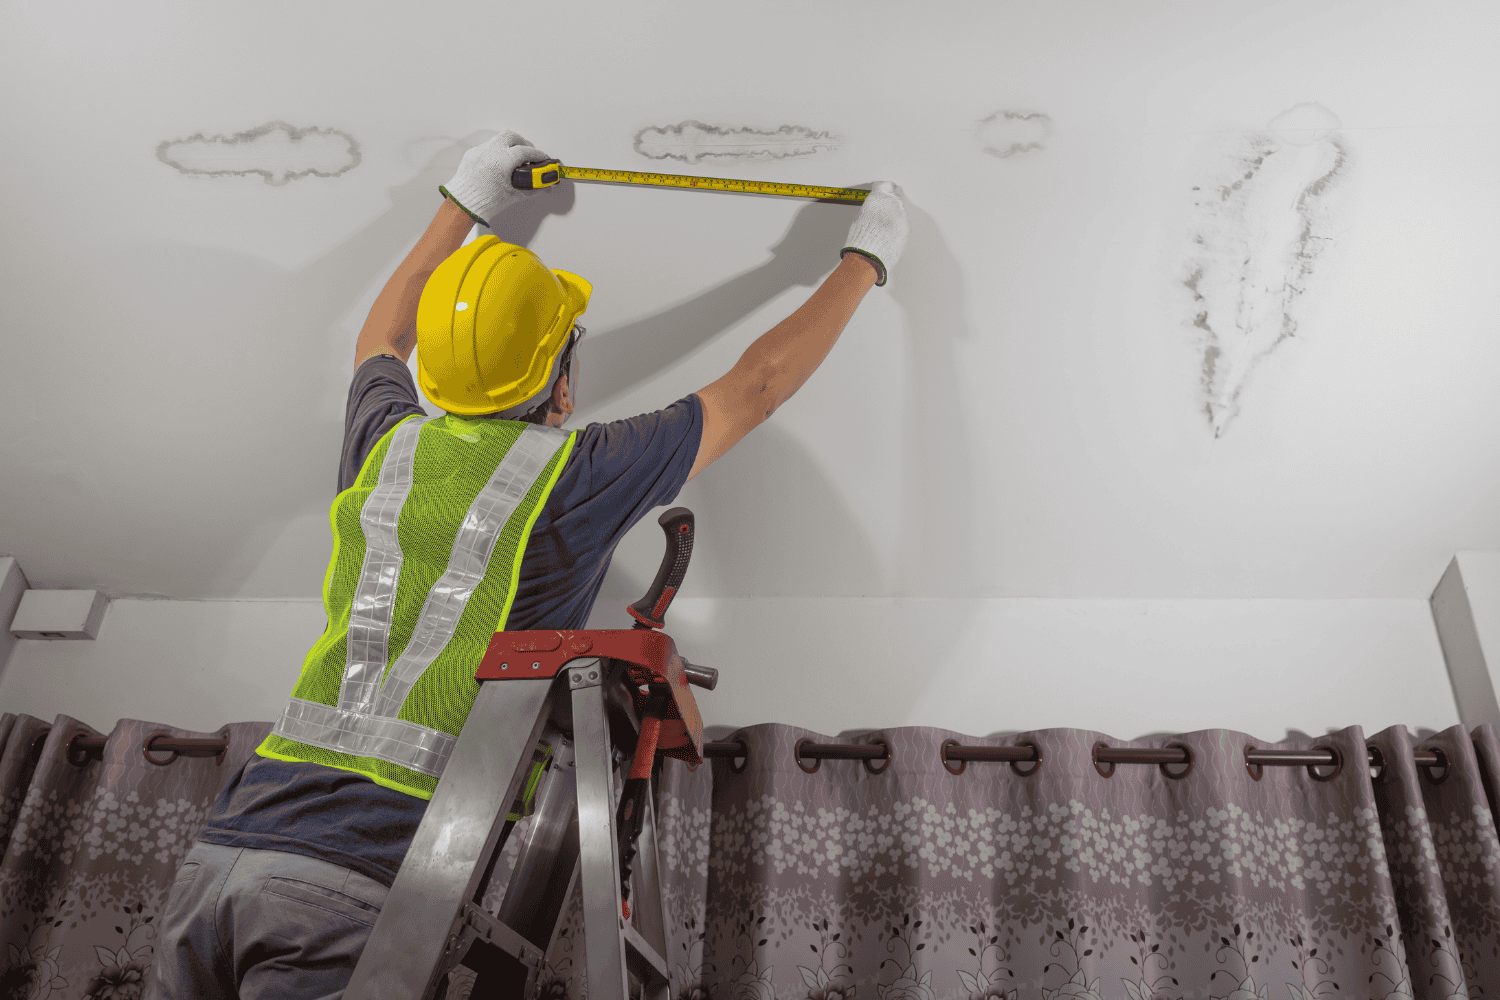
[545,173]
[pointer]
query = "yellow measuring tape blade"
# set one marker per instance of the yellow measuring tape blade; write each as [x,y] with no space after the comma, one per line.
[852,196]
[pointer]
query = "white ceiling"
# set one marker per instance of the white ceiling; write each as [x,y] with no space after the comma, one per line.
[1023,411]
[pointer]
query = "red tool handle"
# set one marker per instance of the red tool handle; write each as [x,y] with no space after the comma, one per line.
[650,610]
[645,748]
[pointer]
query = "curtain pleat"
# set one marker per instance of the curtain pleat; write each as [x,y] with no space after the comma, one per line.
[1426,927]
[7,723]
[684,818]
[34,868]
[93,855]
[1487,753]
[17,762]
[1445,862]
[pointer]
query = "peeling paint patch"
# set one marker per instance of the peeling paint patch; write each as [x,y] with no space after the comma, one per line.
[691,141]
[276,151]
[1262,222]
[1005,134]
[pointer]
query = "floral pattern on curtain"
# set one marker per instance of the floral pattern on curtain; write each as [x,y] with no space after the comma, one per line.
[918,884]
[898,881]
[93,850]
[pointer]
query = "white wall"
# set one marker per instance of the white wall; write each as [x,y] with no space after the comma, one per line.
[977,666]
[194,664]
[1025,410]
[1198,307]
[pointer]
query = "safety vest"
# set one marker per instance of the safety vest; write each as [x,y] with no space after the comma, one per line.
[427,548]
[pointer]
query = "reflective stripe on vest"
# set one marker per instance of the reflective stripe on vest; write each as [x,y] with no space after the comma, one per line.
[364,723]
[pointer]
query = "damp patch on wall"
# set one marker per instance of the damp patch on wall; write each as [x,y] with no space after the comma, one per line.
[691,141]
[276,151]
[1262,220]
[1005,134]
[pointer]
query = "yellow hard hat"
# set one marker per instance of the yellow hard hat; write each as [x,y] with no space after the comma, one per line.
[491,321]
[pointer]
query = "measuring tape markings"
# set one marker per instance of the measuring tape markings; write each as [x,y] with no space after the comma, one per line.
[539,174]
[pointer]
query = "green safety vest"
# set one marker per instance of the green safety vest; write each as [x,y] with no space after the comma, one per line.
[427,548]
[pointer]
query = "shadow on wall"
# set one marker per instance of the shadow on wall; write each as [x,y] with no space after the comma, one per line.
[935,555]
[286,325]
[620,359]
[767,533]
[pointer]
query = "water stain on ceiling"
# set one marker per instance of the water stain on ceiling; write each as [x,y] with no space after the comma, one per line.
[1005,134]
[276,151]
[1262,221]
[692,141]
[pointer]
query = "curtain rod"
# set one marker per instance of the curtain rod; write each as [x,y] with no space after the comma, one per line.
[1177,754]
[83,748]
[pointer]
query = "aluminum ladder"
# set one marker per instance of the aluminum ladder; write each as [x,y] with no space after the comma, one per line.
[591,699]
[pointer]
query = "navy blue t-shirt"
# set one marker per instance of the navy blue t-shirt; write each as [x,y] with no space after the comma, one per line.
[617,473]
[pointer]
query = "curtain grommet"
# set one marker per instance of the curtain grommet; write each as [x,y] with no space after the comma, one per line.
[76,756]
[1337,765]
[1442,765]
[1100,767]
[146,751]
[1015,765]
[1187,766]
[869,763]
[1377,764]
[948,765]
[817,761]
[1256,771]
[744,759]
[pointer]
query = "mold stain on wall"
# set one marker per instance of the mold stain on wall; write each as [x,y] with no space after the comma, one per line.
[691,141]
[276,151]
[1261,225]
[1005,134]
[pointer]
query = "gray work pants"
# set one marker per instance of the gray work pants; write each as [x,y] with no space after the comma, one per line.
[257,925]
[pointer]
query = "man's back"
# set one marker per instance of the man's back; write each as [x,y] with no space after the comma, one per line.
[616,474]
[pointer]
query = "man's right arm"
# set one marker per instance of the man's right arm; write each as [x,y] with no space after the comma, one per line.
[780,361]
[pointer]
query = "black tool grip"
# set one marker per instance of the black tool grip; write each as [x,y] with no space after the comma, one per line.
[650,610]
[533,174]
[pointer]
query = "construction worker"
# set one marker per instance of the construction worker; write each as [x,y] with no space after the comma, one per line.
[445,529]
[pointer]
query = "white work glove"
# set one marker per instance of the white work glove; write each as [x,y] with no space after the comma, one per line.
[879,233]
[482,185]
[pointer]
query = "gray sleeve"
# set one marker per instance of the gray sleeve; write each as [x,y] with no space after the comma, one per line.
[380,397]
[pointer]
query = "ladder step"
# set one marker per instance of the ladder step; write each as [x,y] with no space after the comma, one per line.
[642,960]
[488,929]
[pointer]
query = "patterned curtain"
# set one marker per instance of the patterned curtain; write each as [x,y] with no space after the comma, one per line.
[898,881]
[91,848]
[917,884]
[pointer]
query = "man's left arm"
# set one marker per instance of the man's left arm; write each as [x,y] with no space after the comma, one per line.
[391,327]
[478,192]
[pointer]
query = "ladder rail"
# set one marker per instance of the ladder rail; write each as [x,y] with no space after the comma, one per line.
[598,852]
[412,943]
[646,907]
